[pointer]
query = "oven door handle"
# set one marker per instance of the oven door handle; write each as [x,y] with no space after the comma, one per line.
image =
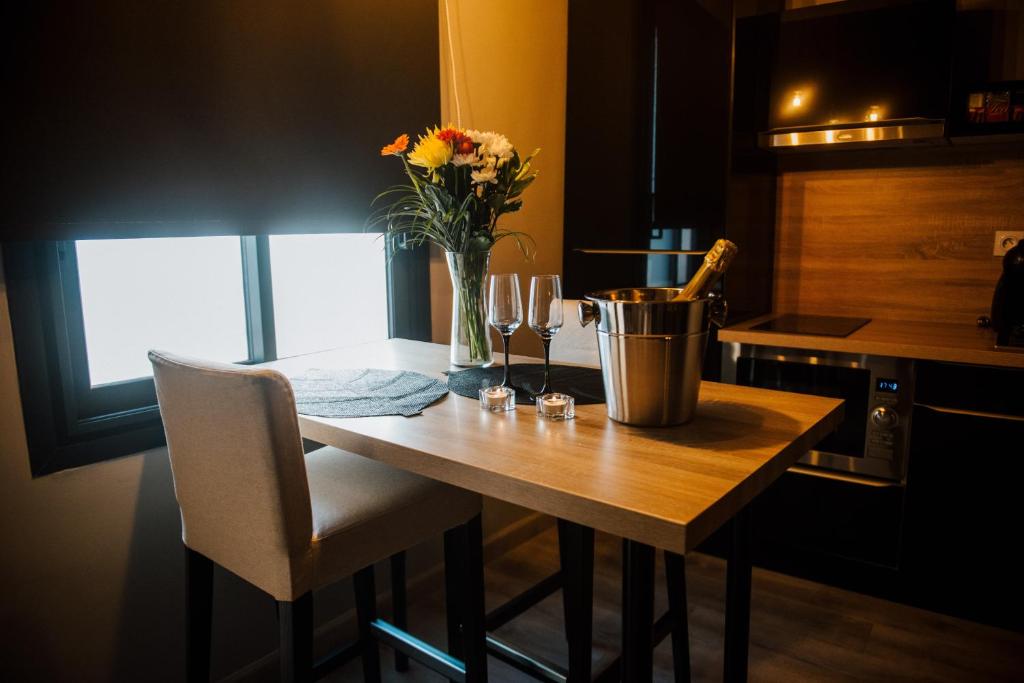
[861,479]
[971,413]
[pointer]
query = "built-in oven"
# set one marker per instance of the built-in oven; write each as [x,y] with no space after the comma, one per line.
[872,442]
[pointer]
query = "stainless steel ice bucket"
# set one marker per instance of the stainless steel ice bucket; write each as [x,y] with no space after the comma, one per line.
[652,351]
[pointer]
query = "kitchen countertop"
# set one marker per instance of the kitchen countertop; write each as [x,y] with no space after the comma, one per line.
[899,338]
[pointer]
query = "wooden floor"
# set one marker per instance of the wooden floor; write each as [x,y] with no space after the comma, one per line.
[800,631]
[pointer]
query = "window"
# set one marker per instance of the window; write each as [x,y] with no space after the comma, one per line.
[329,291]
[182,294]
[85,313]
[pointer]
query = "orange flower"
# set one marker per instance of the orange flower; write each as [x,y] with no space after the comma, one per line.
[396,147]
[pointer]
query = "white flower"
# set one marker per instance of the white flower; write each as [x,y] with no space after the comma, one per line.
[465,159]
[492,144]
[488,174]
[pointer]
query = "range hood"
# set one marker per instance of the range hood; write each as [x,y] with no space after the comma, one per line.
[861,74]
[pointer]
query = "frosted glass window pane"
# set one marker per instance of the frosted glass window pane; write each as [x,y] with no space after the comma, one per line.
[329,291]
[177,294]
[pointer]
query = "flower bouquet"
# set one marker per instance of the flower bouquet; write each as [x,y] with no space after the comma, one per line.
[460,183]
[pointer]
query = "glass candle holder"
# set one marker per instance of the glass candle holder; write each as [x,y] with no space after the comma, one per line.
[556,406]
[498,399]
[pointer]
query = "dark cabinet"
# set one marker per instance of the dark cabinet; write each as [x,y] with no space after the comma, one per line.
[964,493]
[838,531]
[650,117]
[949,539]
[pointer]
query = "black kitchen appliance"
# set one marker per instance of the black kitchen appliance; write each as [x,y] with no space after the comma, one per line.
[836,516]
[817,325]
[871,443]
[861,73]
[1008,301]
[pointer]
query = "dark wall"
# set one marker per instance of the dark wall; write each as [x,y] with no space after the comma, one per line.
[256,115]
[694,97]
[649,142]
[608,141]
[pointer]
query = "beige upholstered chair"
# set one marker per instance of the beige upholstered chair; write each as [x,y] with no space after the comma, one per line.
[574,343]
[290,523]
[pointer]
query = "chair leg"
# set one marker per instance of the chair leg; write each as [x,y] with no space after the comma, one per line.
[576,554]
[675,578]
[295,623]
[366,612]
[198,615]
[399,609]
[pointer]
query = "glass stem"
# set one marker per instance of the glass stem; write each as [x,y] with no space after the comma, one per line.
[507,381]
[547,366]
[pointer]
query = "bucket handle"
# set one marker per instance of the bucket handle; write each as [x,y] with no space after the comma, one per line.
[587,313]
[718,309]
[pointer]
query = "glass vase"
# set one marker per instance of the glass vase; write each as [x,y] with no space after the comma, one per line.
[471,338]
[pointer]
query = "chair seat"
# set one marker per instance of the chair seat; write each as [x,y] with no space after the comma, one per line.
[365,511]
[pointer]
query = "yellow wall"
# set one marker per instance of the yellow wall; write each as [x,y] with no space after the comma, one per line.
[510,71]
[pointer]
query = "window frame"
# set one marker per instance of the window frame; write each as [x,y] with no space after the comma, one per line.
[69,423]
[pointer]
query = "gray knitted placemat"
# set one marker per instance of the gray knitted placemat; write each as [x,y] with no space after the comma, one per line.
[364,392]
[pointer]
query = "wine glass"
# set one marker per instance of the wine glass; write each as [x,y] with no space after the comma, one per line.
[505,311]
[546,317]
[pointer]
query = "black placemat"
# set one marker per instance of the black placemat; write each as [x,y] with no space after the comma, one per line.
[583,384]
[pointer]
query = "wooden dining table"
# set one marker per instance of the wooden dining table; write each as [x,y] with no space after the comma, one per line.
[660,487]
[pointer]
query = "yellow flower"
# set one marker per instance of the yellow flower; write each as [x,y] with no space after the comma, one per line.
[430,151]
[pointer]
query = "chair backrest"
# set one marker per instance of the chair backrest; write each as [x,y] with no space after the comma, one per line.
[574,343]
[238,467]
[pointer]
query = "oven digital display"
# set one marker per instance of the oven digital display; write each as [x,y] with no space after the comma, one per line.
[889,386]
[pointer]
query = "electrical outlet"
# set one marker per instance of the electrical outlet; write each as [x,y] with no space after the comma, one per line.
[1005,240]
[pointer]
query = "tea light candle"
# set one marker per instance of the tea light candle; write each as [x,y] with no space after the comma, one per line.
[497,398]
[556,406]
[553,405]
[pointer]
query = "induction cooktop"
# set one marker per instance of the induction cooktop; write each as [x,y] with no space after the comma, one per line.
[818,325]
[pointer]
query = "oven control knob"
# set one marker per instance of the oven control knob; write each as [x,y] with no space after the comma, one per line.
[884,417]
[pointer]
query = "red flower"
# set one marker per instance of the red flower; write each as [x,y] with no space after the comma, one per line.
[448,135]
[460,142]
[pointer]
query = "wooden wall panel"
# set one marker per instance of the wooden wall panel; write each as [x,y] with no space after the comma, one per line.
[910,243]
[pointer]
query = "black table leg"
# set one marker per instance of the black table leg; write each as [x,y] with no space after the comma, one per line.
[737,599]
[454,588]
[576,550]
[637,612]
[474,622]
[675,578]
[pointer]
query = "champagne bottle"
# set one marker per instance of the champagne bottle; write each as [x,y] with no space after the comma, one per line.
[715,263]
